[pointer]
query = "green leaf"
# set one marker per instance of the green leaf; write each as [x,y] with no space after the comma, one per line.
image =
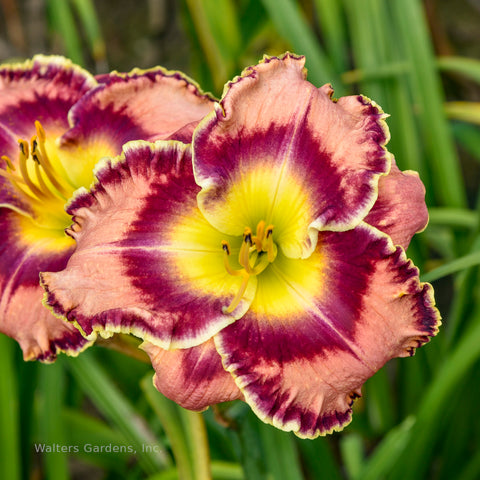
[52,431]
[429,97]
[453,217]
[387,453]
[464,111]
[414,459]
[82,430]
[281,456]
[116,408]
[454,266]
[291,24]
[168,412]
[469,67]
[89,20]
[351,446]
[63,24]
[10,466]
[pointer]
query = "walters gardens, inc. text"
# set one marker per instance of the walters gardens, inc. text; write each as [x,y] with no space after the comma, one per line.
[93,448]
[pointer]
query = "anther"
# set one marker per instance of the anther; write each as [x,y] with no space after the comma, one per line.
[23,147]
[23,169]
[244,254]
[226,263]
[269,247]
[8,162]
[247,236]
[226,247]
[40,131]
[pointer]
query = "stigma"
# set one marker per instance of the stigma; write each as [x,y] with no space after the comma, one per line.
[256,253]
[33,177]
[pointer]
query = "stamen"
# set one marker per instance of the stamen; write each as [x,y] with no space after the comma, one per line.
[40,131]
[39,154]
[228,268]
[8,162]
[271,254]
[244,255]
[40,180]
[17,182]
[23,169]
[256,254]
[238,297]
[259,237]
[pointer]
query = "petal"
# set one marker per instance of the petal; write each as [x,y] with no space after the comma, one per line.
[22,315]
[192,377]
[400,210]
[277,146]
[43,89]
[318,328]
[143,104]
[146,261]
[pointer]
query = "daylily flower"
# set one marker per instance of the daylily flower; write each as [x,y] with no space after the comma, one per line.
[266,261]
[56,122]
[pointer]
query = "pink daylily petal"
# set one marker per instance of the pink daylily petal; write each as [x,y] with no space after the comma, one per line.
[400,210]
[143,104]
[272,126]
[146,261]
[82,121]
[192,377]
[339,317]
[24,318]
[43,89]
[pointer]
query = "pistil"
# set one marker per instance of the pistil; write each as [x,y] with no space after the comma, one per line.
[256,253]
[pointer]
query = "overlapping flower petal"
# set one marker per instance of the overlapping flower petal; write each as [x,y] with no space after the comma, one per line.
[192,377]
[281,244]
[316,331]
[147,262]
[74,121]
[400,210]
[276,143]
[23,317]
[43,89]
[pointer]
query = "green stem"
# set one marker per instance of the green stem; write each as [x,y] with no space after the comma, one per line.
[167,413]
[196,435]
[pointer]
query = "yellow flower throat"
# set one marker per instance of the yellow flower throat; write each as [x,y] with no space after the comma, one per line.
[38,183]
[36,188]
[256,253]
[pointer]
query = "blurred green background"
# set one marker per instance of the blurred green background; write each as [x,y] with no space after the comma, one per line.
[418,417]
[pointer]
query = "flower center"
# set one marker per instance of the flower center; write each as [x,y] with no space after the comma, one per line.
[36,180]
[256,253]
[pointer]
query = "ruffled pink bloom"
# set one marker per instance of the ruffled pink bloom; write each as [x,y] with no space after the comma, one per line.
[266,261]
[56,122]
